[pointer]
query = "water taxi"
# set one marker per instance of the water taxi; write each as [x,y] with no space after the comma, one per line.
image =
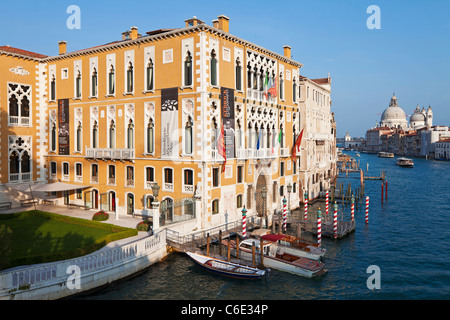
[405,162]
[385,154]
[277,257]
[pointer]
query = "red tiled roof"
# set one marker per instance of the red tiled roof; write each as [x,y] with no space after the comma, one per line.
[445,140]
[22,52]
[321,80]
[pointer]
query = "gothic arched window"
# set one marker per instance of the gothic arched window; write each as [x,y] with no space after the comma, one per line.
[188,70]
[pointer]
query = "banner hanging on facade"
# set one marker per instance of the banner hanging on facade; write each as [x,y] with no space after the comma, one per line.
[227,108]
[169,123]
[64,127]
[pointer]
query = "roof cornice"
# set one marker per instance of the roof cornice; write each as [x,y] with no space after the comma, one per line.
[172,34]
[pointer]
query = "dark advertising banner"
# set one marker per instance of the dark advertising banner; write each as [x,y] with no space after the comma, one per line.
[169,123]
[227,108]
[64,127]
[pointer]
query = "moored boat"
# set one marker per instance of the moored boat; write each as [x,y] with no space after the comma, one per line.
[277,257]
[226,268]
[405,162]
[297,246]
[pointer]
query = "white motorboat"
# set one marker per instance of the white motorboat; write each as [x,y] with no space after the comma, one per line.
[276,257]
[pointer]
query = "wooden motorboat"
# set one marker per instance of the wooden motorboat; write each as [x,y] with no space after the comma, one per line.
[297,246]
[276,257]
[405,162]
[226,268]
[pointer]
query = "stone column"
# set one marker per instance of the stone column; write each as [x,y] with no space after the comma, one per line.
[155,213]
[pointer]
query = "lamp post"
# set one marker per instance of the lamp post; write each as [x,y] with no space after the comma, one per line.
[289,190]
[263,196]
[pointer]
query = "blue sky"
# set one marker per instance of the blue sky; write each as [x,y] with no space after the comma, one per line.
[409,55]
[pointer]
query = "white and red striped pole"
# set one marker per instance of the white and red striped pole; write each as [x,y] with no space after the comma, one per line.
[306,206]
[326,203]
[284,214]
[335,220]
[367,209]
[319,228]
[244,223]
[353,209]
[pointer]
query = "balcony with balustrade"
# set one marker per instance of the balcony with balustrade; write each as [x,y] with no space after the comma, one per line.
[110,154]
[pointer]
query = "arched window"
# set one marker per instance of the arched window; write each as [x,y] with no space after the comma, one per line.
[239,201]
[261,80]
[238,75]
[94,82]
[188,70]
[53,138]
[53,89]
[281,137]
[95,135]
[13,106]
[188,141]
[249,76]
[79,131]
[78,85]
[14,163]
[130,135]
[214,135]
[281,87]
[213,66]
[150,137]
[111,78]
[255,78]
[215,206]
[25,107]
[112,134]
[130,78]
[250,136]
[294,91]
[239,135]
[268,137]
[150,75]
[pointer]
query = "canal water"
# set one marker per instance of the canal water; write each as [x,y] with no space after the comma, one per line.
[407,237]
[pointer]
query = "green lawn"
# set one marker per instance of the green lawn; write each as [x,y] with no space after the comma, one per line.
[41,237]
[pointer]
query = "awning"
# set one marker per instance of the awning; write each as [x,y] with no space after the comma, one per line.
[50,187]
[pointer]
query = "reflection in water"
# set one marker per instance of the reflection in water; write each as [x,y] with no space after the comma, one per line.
[407,237]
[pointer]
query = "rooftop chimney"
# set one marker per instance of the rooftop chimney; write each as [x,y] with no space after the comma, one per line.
[62,47]
[224,23]
[287,52]
[134,33]
[131,34]
[193,22]
[216,23]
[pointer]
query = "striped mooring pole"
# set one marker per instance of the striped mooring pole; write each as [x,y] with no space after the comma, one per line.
[319,228]
[326,204]
[335,220]
[353,209]
[244,223]
[284,214]
[306,206]
[367,209]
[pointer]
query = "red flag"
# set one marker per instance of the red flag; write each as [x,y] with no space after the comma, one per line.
[221,147]
[296,145]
